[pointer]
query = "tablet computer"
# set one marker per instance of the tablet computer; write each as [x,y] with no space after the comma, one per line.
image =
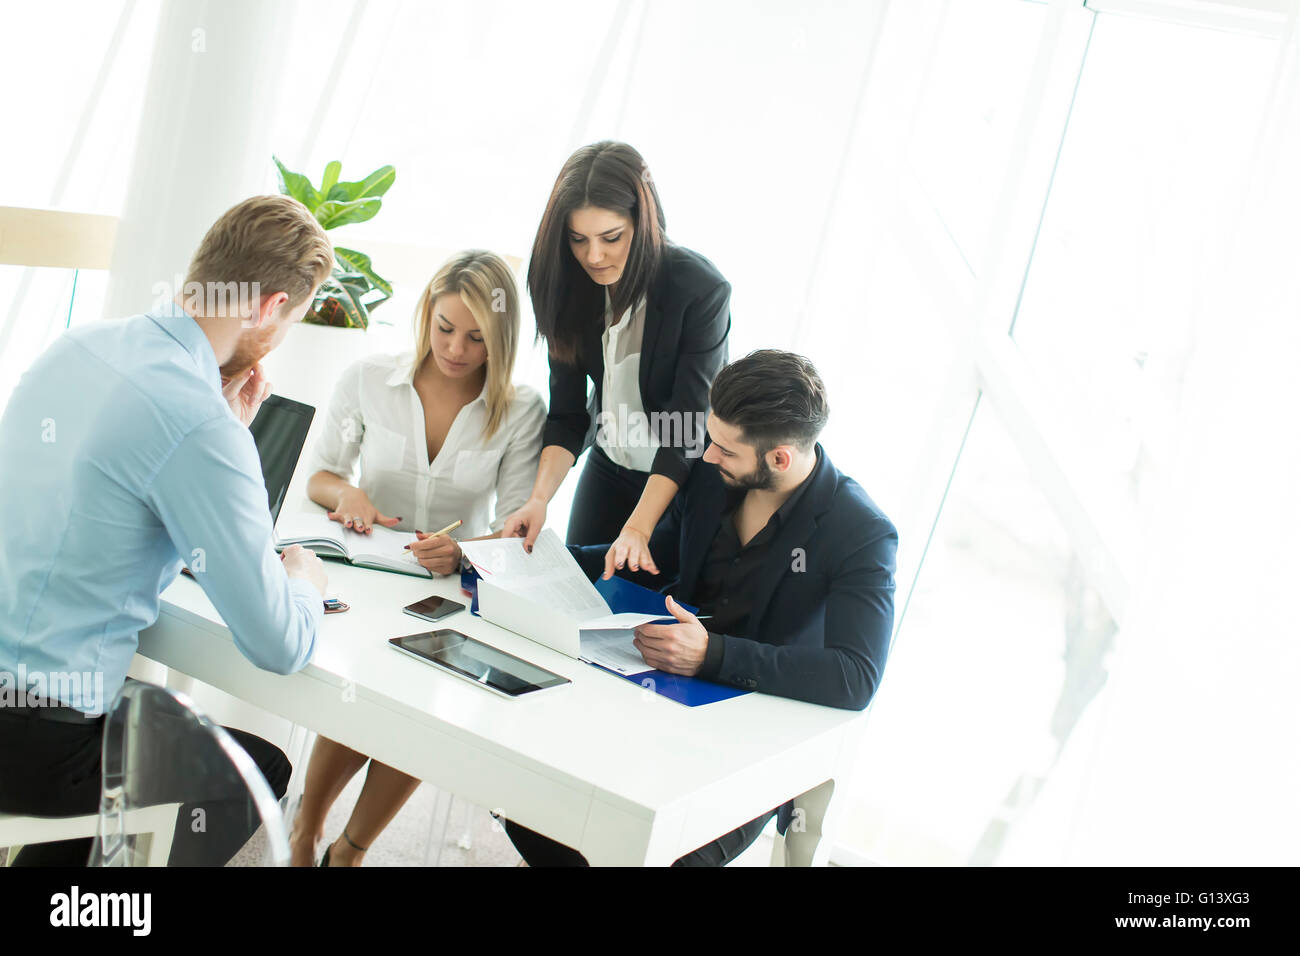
[475,661]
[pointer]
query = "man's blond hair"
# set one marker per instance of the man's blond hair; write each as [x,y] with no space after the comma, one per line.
[267,244]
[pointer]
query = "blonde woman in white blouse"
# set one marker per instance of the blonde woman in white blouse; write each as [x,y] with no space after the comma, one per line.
[438,434]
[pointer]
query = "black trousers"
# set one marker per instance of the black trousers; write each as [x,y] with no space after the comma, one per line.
[51,768]
[538,850]
[604,499]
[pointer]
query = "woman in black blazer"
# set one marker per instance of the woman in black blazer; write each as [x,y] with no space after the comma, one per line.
[643,320]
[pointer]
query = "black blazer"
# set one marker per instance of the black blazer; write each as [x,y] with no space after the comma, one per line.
[823,604]
[687,320]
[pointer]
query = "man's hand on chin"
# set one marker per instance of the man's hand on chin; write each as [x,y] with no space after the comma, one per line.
[245,392]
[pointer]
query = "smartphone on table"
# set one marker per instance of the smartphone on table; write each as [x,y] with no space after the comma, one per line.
[433,608]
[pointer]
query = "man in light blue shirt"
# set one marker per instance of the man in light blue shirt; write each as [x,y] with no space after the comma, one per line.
[124,457]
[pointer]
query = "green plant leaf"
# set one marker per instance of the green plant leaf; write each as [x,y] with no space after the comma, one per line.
[373,186]
[360,262]
[336,296]
[360,287]
[331,214]
[354,304]
[330,177]
[346,297]
[298,186]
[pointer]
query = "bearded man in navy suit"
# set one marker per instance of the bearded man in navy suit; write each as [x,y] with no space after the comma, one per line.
[788,559]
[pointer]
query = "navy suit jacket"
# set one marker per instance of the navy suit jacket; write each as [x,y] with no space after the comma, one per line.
[823,602]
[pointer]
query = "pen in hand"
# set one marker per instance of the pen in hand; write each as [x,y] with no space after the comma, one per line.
[451,527]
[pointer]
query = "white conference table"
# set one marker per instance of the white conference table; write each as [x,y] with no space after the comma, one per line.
[603,765]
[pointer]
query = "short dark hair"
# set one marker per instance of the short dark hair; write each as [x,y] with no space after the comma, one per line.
[566,301]
[773,397]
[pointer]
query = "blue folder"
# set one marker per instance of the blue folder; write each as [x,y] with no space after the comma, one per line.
[469,584]
[624,596]
[691,691]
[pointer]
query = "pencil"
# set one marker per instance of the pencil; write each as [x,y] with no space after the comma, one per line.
[451,527]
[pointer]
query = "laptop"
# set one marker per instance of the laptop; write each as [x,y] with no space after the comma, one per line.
[280,430]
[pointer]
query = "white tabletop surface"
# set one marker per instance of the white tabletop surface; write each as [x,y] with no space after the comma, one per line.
[601,729]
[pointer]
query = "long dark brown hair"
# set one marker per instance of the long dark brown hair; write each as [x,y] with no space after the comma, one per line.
[566,300]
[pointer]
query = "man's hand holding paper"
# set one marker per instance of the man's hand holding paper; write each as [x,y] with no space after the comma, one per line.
[674,648]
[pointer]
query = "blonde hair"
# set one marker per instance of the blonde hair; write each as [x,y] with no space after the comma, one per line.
[487,287]
[273,243]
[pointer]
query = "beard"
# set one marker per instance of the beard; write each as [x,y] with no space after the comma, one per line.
[760,479]
[252,346]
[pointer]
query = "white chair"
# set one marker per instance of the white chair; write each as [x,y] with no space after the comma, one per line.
[161,754]
[154,823]
[19,831]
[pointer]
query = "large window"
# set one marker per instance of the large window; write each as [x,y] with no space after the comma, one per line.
[981,58]
[1137,228]
[1046,638]
[1003,647]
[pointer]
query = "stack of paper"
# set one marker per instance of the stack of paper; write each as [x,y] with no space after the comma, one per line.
[550,578]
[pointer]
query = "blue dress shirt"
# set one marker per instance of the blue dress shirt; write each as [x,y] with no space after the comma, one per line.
[120,460]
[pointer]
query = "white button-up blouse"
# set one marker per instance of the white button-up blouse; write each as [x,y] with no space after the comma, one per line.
[376,416]
[625,435]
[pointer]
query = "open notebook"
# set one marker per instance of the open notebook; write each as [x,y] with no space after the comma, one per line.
[382,548]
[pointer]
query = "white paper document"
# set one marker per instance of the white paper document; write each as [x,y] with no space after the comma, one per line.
[613,649]
[549,576]
[552,578]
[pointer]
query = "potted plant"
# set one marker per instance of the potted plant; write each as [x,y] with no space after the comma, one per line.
[348,296]
[333,333]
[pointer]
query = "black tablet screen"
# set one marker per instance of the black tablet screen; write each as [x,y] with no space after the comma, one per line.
[479,662]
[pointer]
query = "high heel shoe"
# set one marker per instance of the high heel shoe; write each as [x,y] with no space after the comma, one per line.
[325,860]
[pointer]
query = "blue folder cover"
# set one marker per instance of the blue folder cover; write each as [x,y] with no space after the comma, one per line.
[624,596]
[691,691]
[469,584]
